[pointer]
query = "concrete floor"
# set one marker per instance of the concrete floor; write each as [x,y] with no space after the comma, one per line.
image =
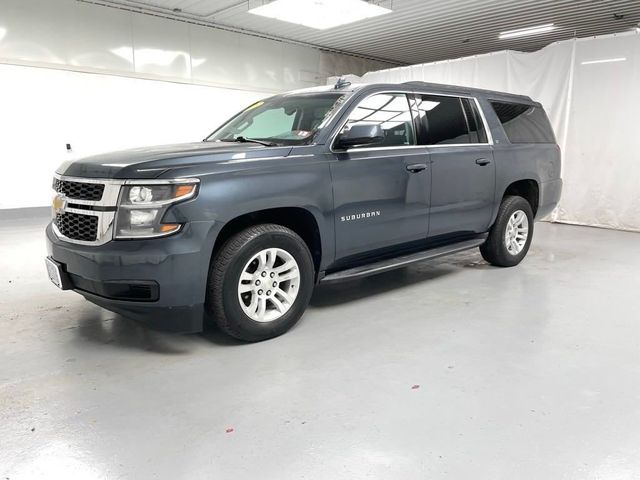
[451,369]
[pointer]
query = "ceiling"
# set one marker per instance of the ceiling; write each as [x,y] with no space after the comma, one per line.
[417,31]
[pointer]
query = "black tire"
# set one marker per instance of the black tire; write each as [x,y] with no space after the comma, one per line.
[494,250]
[223,305]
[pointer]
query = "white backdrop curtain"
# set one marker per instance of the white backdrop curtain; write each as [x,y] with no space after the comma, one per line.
[594,109]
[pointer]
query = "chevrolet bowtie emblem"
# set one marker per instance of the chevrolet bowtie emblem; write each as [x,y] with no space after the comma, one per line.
[58,204]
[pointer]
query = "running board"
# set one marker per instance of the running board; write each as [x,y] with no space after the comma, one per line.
[402,261]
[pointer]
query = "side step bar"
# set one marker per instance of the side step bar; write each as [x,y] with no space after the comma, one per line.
[402,261]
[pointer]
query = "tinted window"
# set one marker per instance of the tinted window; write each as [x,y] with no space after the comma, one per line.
[524,123]
[443,120]
[390,111]
[477,132]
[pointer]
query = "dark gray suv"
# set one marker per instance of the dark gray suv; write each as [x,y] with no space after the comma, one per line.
[320,185]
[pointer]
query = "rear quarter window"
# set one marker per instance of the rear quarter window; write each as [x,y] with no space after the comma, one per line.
[524,123]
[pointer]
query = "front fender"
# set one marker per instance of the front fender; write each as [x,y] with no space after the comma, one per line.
[228,195]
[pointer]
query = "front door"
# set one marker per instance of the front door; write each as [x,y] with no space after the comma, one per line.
[381,192]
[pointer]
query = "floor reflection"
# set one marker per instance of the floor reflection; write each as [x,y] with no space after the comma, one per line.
[349,291]
[106,328]
[103,327]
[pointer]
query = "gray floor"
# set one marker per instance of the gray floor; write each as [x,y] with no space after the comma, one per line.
[451,370]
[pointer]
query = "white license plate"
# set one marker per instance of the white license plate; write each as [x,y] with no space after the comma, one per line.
[54,270]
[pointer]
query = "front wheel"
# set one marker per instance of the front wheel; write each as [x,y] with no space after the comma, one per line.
[260,283]
[510,236]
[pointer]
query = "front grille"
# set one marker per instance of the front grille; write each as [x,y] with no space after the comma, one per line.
[78,227]
[78,190]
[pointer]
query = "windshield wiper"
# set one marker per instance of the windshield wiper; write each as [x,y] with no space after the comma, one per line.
[242,139]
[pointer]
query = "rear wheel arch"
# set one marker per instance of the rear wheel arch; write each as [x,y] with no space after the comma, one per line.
[510,227]
[528,189]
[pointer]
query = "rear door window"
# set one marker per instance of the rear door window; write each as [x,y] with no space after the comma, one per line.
[443,120]
[524,123]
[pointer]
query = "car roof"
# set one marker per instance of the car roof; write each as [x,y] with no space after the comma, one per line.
[439,87]
[426,87]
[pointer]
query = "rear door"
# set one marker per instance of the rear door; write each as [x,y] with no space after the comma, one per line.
[381,192]
[462,166]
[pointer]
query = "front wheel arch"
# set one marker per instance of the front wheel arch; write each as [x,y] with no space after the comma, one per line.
[300,220]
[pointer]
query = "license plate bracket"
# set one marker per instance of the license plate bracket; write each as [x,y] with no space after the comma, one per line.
[57,275]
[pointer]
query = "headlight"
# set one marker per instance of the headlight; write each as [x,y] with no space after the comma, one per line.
[140,194]
[141,207]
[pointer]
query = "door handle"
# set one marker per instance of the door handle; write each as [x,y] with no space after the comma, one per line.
[483,161]
[416,167]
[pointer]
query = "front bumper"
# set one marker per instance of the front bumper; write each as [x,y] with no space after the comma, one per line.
[170,272]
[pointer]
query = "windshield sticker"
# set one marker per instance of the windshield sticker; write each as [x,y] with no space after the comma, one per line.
[301,133]
[255,105]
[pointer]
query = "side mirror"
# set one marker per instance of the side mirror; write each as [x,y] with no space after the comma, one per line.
[361,134]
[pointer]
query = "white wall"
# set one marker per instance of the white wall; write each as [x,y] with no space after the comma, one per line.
[592,106]
[44,109]
[86,37]
[105,79]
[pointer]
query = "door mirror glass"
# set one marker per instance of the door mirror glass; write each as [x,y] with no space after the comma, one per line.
[360,134]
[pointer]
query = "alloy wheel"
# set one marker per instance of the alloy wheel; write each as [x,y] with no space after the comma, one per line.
[269,284]
[516,233]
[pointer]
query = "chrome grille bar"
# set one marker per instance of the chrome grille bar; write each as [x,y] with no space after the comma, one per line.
[110,191]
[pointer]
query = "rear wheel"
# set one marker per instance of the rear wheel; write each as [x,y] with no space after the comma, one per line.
[260,283]
[510,236]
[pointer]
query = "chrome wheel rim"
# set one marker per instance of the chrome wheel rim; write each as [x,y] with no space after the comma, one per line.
[269,284]
[515,236]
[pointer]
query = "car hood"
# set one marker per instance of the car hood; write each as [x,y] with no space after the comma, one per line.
[150,162]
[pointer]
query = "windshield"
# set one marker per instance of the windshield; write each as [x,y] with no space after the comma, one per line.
[289,120]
